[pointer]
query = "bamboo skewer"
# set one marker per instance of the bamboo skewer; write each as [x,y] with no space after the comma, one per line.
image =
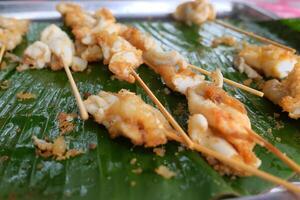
[83,113]
[230,82]
[172,121]
[260,140]
[2,51]
[253,35]
[184,138]
[239,165]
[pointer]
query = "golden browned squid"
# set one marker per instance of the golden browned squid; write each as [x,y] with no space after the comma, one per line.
[86,26]
[270,60]
[126,114]
[195,12]
[12,31]
[169,64]
[222,121]
[286,93]
[120,55]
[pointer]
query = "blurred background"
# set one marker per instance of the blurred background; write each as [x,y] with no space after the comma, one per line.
[282,8]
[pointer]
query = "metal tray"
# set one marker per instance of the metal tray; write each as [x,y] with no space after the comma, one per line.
[45,11]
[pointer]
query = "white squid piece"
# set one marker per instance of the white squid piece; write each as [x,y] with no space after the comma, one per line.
[195,12]
[120,56]
[286,93]
[270,60]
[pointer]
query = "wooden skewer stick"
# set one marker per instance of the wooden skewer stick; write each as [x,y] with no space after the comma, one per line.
[230,82]
[183,138]
[260,140]
[241,166]
[253,35]
[169,117]
[2,51]
[83,113]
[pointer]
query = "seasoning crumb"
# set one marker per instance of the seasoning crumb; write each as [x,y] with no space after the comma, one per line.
[3,158]
[89,70]
[65,122]
[180,148]
[86,95]
[39,166]
[92,146]
[25,95]
[133,161]
[137,170]
[3,65]
[269,130]
[5,85]
[132,183]
[224,40]
[278,139]
[160,151]
[112,77]
[247,82]
[165,172]
[57,149]
[276,115]
[279,125]
[167,91]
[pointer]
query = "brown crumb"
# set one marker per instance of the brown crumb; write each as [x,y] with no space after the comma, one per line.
[224,169]
[92,146]
[39,166]
[25,95]
[279,125]
[132,183]
[224,40]
[89,70]
[65,122]
[179,109]
[3,158]
[113,77]
[247,82]
[3,65]
[4,85]
[133,161]
[165,172]
[269,130]
[160,151]
[278,139]
[137,170]
[260,84]
[57,149]
[167,91]
[86,95]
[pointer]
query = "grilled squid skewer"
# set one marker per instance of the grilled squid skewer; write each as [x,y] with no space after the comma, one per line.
[126,114]
[169,64]
[286,93]
[55,49]
[270,60]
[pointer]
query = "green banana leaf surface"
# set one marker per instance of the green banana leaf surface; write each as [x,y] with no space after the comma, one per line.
[105,172]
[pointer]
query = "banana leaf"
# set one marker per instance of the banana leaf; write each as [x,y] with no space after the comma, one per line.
[105,172]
